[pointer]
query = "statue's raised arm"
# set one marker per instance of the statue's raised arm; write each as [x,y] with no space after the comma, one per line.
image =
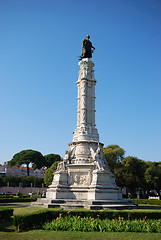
[87,48]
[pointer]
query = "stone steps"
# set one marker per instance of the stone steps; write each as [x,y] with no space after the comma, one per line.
[113,206]
[91,204]
[100,202]
[66,206]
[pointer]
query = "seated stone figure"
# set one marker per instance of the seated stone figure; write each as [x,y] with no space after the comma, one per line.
[99,159]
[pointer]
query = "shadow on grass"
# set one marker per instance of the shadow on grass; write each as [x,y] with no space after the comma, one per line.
[13,205]
[149,207]
[7,226]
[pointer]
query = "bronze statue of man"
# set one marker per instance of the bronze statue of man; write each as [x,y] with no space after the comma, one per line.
[87,48]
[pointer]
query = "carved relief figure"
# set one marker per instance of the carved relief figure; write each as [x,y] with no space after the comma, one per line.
[63,163]
[67,156]
[78,179]
[60,166]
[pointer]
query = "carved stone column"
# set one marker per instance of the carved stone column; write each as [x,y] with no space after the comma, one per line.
[78,105]
[86,129]
[83,101]
[93,105]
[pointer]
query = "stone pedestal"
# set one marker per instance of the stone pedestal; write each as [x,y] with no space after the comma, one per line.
[83,178]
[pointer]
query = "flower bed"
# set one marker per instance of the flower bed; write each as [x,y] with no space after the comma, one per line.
[37,219]
[87,224]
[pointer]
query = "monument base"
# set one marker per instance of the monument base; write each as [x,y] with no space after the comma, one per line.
[70,204]
[83,186]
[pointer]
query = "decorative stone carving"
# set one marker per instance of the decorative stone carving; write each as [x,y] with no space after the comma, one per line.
[82,149]
[79,179]
[99,158]
[86,103]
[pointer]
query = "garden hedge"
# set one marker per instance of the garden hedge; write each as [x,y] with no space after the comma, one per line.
[5,213]
[36,220]
[13,200]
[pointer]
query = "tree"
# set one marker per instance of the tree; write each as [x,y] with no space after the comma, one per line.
[1,181]
[153,176]
[26,181]
[114,155]
[118,172]
[51,158]
[133,173]
[28,157]
[48,177]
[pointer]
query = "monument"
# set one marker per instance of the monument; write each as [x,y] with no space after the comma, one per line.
[83,178]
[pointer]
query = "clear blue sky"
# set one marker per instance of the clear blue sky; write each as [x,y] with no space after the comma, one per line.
[39,47]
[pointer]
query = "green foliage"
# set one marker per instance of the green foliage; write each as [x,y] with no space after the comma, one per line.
[153,175]
[51,158]
[37,182]
[35,220]
[48,177]
[13,181]
[5,213]
[88,224]
[114,155]
[1,181]
[31,221]
[28,157]
[25,181]
[133,173]
[18,194]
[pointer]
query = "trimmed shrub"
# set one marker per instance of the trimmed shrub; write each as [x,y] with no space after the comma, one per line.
[31,221]
[35,220]
[5,213]
[16,199]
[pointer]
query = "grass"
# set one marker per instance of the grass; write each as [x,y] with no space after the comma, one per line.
[49,235]
[148,207]
[7,230]
[21,208]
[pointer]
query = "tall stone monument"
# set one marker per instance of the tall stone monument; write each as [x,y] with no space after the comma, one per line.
[83,178]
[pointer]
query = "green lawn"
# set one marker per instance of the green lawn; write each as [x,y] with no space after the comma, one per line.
[21,208]
[7,231]
[148,207]
[49,235]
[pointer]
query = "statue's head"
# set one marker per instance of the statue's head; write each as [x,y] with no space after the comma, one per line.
[88,37]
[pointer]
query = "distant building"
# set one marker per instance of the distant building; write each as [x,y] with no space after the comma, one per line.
[16,171]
